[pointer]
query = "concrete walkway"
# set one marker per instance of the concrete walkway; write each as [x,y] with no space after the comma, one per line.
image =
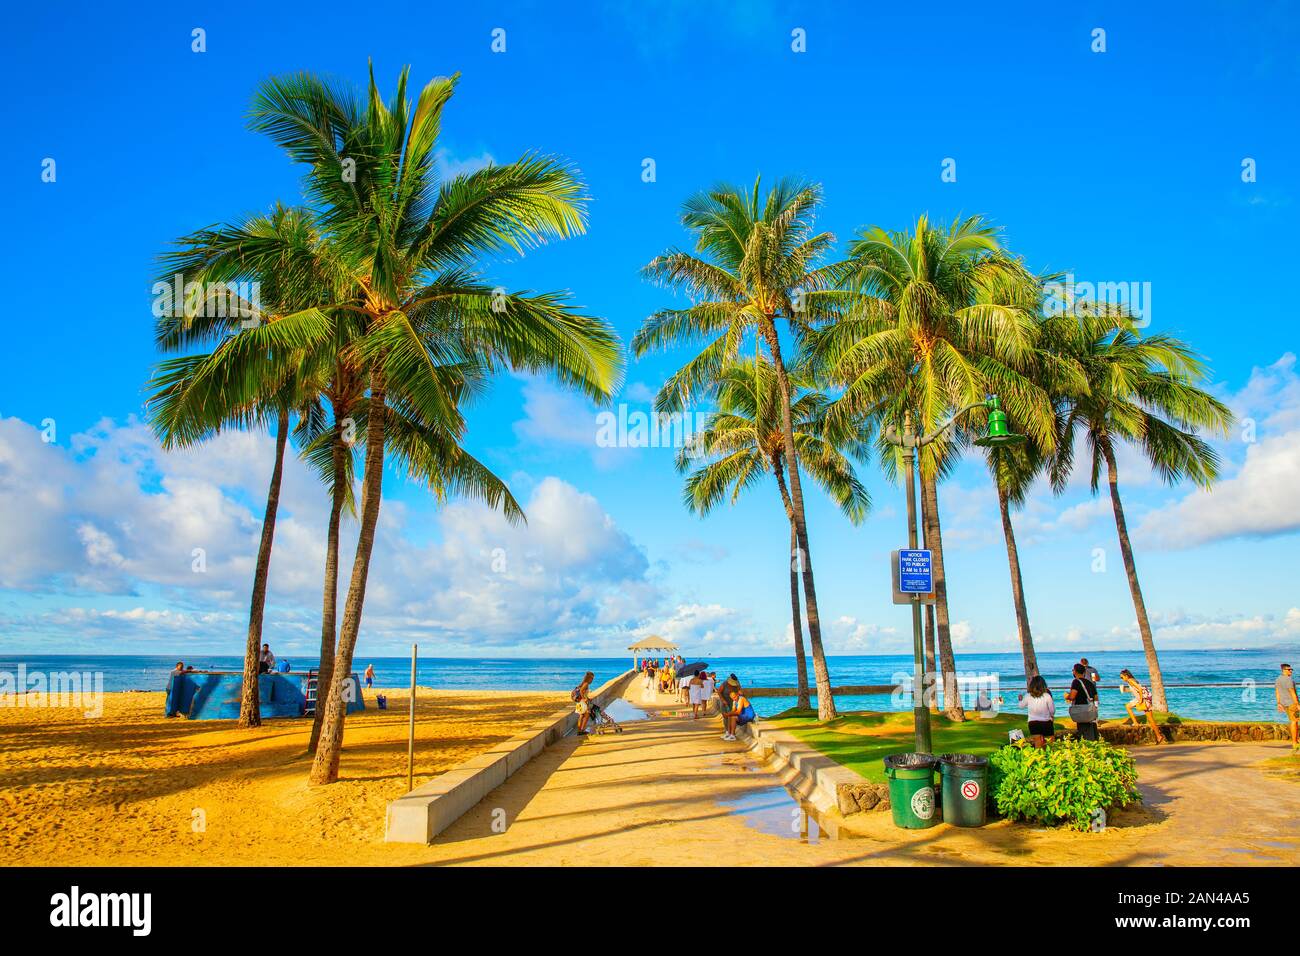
[668,791]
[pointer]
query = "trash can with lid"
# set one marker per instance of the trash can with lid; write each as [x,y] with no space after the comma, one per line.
[911,790]
[965,780]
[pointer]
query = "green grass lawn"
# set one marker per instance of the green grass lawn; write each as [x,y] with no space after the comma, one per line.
[860,740]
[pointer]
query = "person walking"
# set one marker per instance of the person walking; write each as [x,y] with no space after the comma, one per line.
[707,683]
[695,690]
[582,702]
[1084,701]
[370,675]
[1140,704]
[1289,704]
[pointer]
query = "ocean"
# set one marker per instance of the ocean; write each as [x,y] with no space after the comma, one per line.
[1249,672]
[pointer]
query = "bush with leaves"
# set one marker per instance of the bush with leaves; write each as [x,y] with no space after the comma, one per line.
[1066,782]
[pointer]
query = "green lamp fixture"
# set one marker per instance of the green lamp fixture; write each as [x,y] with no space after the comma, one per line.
[998,434]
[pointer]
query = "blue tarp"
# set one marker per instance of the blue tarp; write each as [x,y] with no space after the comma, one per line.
[215,695]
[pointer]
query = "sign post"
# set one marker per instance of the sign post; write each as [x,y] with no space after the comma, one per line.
[410,737]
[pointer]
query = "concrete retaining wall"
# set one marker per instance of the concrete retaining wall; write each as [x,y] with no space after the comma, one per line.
[429,809]
[817,778]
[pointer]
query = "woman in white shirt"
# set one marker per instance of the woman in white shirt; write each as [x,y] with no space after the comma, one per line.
[1042,708]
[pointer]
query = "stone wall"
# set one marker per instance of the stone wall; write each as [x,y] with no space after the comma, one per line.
[862,798]
[1130,734]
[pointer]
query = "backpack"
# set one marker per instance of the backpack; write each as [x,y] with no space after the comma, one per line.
[576,694]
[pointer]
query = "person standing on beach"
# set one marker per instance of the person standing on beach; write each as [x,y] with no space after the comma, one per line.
[1083,699]
[707,683]
[695,691]
[1042,709]
[370,675]
[1289,704]
[582,702]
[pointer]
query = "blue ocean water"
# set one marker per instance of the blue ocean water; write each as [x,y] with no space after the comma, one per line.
[1249,672]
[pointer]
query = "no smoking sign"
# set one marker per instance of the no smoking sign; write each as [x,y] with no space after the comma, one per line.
[970,790]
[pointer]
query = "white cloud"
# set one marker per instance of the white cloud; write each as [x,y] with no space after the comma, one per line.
[1258,497]
[848,635]
[114,517]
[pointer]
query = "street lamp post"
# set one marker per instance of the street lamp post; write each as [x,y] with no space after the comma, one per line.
[998,434]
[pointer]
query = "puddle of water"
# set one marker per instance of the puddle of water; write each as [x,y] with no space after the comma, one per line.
[777,811]
[623,712]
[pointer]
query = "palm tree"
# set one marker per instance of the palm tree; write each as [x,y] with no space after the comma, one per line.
[755,263]
[1141,390]
[429,323]
[742,441]
[192,399]
[1014,471]
[940,317]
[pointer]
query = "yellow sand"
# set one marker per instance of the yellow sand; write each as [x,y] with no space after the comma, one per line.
[133,787]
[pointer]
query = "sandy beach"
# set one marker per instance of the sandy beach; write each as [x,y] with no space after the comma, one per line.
[132,788]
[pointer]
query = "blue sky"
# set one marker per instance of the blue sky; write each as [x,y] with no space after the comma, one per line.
[1123,165]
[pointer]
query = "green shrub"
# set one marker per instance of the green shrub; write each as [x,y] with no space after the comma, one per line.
[1065,782]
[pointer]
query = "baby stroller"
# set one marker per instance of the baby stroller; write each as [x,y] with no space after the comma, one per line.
[601,722]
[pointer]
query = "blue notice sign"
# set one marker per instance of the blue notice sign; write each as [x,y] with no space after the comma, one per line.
[915,575]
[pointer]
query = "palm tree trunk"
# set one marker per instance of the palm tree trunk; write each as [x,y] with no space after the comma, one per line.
[800,660]
[825,702]
[250,708]
[1158,700]
[934,541]
[330,598]
[930,690]
[325,766]
[1018,589]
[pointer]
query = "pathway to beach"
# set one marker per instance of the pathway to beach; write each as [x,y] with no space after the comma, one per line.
[669,791]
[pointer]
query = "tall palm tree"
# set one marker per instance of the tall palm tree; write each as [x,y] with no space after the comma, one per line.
[410,246]
[1016,468]
[1144,391]
[743,441]
[940,317]
[1014,471]
[755,264]
[192,399]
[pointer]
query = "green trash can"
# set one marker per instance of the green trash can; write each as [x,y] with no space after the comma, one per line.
[911,790]
[965,783]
